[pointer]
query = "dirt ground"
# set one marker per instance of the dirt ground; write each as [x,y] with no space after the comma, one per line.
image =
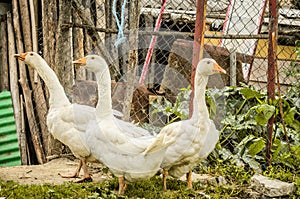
[49,173]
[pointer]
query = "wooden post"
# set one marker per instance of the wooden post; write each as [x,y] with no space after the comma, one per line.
[149,21]
[272,61]
[88,42]
[109,41]
[134,12]
[233,67]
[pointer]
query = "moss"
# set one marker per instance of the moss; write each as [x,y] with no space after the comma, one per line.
[236,187]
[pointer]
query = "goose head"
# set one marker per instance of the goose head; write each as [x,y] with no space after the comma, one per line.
[93,63]
[30,58]
[208,66]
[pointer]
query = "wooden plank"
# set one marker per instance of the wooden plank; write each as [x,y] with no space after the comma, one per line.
[33,20]
[4,84]
[100,17]
[63,55]
[13,74]
[25,156]
[78,48]
[49,29]
[29,106]
[36,84]
[26,25]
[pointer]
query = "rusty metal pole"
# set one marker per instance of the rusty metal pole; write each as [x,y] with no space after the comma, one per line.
[198,43]
[272,61]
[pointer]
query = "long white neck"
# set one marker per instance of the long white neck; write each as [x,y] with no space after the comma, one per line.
[200,110]
[57,97]
[104,105]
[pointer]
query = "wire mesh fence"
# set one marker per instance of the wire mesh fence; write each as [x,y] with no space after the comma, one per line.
[236,36]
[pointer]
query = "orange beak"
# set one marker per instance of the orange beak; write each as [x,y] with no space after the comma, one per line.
[21,56]
[219,69]
[81,61]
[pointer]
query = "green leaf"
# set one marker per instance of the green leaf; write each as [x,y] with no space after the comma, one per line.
[241,147]
[289,118]
[257,146]
[252,163]
[249,93]
[263,113]
[276,148]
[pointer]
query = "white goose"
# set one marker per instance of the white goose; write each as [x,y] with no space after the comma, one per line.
[118,144]
[193,139]
[66,122]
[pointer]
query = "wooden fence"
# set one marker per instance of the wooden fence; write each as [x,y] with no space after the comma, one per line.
[44,26]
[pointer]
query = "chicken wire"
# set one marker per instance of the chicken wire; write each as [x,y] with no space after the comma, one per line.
[241,50]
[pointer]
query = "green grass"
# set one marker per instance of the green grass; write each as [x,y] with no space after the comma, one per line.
[236,187]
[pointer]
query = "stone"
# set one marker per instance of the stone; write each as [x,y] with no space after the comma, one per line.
[206,179]
[271,187]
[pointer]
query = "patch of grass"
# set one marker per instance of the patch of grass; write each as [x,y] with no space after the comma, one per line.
[237,184]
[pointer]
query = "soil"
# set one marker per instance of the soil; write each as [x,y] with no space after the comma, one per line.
[49,173]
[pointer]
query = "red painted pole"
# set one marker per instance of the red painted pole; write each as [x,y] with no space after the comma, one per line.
[272,61]
[198,43]
[152,43]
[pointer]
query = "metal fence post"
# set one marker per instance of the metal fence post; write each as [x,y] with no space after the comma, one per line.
[198,43]
[272,61]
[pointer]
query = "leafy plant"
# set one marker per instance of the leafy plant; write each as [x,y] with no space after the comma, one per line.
[242,114]
[293,74]
[174,111]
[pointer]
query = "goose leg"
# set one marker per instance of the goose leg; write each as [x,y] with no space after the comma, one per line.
[75,174]
[189,179]
[121,186]
[86,174]
[165,175]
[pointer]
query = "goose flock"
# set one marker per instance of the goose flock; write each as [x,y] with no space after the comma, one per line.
[129,151]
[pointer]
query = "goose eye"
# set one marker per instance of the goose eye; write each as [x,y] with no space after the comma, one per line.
[31,54]
[92,57]
[208,62]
